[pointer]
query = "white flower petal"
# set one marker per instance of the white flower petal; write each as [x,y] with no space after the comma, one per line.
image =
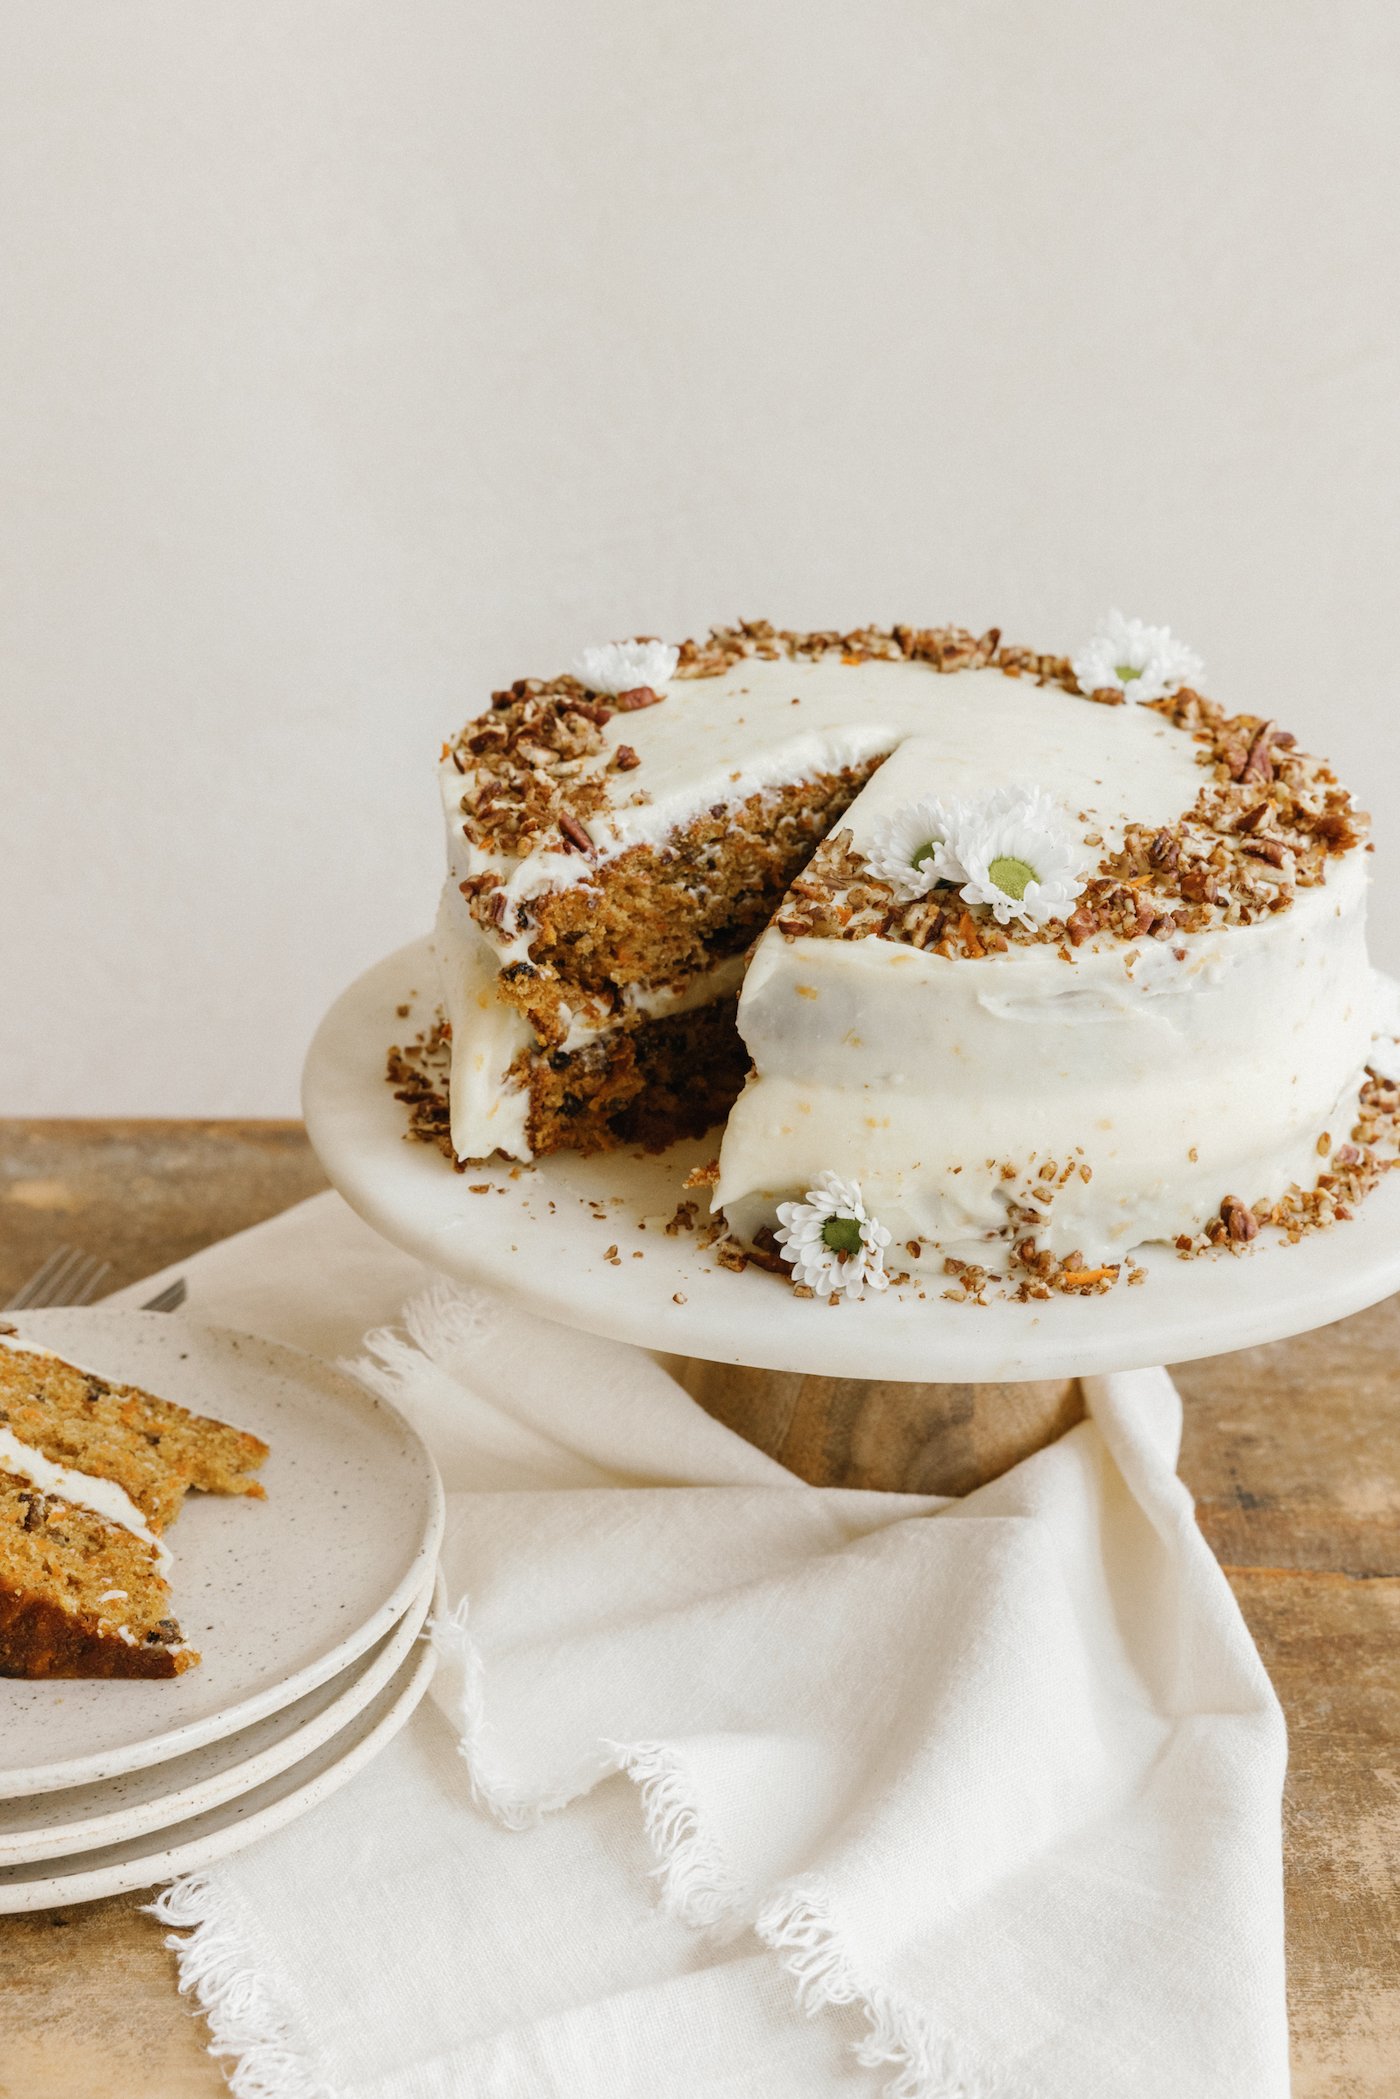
[819,1267]
[1141,662]
[1028,825]
[906,833]
[621,666]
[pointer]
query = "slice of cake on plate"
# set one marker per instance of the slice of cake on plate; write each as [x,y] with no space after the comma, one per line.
[91,1474]
[1044,958]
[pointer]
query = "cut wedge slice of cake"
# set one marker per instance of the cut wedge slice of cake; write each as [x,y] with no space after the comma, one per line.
[91,1473]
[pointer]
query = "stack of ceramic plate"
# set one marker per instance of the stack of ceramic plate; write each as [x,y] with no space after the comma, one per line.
[307,1609]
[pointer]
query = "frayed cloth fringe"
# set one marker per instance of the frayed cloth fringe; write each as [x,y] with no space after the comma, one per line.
[696,1883]
[797,1925]
[459,1655]
[217,1969]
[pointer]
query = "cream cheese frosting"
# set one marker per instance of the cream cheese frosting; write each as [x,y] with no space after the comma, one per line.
[1114,1090]
[761,725]
[83,1490]
[1166,1073]
[1172,1081]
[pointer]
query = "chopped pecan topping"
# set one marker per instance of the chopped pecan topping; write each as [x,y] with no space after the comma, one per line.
[1258,764]
[1239,1220]
[639,696]
[574,833]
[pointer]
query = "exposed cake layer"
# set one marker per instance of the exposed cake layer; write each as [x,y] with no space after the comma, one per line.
[644,1085]
[91,1472]
[503,1070]
[149,1449]
[645,1081]
[79,1595]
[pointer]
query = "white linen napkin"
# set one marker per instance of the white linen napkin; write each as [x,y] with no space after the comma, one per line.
[989,1787]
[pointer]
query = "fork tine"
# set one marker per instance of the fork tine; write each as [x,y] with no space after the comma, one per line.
[170,1298]
[91,1282]
[49,1279]
[61,1285]
[34,1290]
[67,1277]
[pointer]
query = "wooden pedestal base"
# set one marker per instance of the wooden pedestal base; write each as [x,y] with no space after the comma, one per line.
[902,1438]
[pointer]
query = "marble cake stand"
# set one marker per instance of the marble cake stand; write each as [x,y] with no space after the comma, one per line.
[904,1390]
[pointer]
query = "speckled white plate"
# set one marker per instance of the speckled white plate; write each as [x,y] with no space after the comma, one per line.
[543,1238]
[278,1595]
[114,1810]
[143,1862]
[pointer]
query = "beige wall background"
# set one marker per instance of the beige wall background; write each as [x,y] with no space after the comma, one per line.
[358,357]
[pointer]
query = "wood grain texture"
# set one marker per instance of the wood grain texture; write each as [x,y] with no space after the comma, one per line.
[864,1432]
[1292,1451]
[141,1193]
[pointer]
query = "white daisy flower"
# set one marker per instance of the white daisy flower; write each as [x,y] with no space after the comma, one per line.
[1019,853]
[621,666]
[909,849]
[830,1242]
[1143,663]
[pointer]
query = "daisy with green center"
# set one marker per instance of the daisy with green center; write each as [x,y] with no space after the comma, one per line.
[1019,853]
[1141,662]
[623,666]
[909,849]
[830,1243]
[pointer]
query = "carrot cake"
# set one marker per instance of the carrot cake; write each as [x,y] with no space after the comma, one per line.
[1026,950]
[91,1474]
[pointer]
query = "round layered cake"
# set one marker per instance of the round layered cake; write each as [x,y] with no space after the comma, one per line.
[981,958]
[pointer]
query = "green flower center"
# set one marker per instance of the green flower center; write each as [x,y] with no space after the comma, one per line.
[925,852]
[1127,672]
[1011,876]
[842,1235]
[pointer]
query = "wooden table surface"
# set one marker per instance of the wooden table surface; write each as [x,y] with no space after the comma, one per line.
[1292,1452]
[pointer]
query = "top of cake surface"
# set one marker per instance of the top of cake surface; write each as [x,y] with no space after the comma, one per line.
[556,779]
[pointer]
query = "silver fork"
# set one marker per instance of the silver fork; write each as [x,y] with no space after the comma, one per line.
[170,1298]
[71,1277]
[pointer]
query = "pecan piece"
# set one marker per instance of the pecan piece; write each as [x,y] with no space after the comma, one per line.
[639,696]
[1198,886]
[1259,763]
[1239,1220]
[574,833]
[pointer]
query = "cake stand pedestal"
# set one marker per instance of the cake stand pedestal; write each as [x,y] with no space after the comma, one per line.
[906,1390]
[875,1432]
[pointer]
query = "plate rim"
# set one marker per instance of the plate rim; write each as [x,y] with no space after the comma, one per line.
[368,1677]
[168,1862]
[357,1132]
[58,1774]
